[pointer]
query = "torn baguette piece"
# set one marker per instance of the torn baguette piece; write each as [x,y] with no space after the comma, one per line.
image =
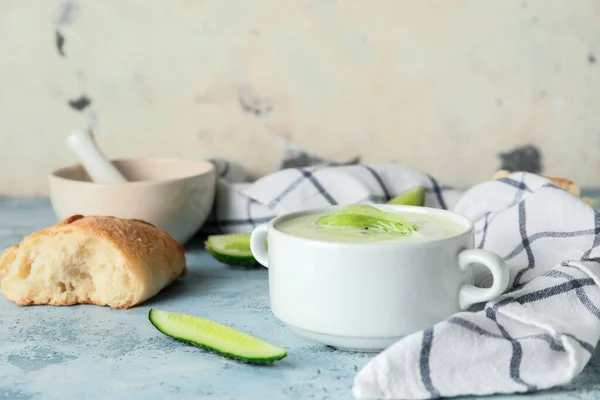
[106,261]
[566,184]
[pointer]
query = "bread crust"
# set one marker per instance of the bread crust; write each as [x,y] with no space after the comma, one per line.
[106,261]
[564,183]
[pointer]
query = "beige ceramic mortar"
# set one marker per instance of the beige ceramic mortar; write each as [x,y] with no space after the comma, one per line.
[175,195]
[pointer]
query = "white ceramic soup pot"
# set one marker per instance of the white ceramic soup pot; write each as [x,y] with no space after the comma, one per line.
[365,296]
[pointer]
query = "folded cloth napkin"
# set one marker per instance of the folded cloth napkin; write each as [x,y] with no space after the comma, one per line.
[240,206]
[539,334]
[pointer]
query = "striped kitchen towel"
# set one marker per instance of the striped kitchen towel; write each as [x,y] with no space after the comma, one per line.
[241,206]
[539,334]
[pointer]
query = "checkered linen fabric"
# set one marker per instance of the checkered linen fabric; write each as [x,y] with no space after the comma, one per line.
[240,206]
[539,334]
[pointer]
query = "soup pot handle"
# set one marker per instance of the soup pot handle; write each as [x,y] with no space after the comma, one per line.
[258,245]
[470,294]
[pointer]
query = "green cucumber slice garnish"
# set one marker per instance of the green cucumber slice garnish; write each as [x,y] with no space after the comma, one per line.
[215,337]
[231,249]
[363,222]
[367,217]
[411,197]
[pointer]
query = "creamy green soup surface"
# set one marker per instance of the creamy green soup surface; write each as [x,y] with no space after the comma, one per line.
[427,228]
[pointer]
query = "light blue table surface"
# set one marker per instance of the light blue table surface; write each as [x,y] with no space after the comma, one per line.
[88,352]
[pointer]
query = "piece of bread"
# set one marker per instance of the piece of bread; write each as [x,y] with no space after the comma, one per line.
[566,184]
[106,261]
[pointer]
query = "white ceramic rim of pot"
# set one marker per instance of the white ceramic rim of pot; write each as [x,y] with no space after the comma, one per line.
[208,168]
[455,217]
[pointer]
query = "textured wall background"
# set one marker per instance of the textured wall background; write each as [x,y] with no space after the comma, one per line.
[443,85]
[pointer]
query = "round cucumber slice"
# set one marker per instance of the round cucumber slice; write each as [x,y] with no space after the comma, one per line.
[366,223]
[371,211]
[215,337]
[411,197]
[231,249]
[367,217]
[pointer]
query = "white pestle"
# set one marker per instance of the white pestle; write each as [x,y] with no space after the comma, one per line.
[98,167]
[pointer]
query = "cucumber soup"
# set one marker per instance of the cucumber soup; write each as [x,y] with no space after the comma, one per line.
[426,228]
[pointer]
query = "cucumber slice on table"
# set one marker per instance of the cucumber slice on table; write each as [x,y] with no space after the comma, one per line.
[216,337]
[232,249]
[411,197]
